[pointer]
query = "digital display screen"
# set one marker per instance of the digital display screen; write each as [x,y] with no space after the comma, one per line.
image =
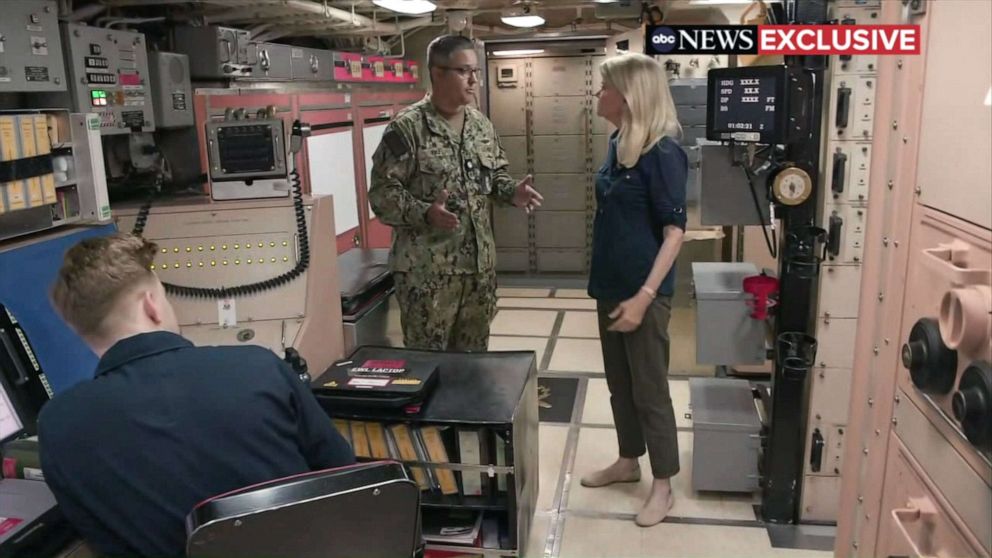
[746,104]
[751,104]
[246,149]
[10,422]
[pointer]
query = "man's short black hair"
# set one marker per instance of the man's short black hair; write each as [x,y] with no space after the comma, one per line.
[441,49]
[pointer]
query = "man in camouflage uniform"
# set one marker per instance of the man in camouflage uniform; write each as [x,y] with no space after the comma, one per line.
[435,175]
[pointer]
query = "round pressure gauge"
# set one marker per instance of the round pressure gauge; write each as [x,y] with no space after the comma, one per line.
[792,186]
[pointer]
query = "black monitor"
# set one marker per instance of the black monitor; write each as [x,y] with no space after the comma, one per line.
[751,104]
[24,388]
[11,422]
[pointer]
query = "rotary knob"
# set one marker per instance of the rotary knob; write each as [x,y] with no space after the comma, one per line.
[932,366]
[972,404]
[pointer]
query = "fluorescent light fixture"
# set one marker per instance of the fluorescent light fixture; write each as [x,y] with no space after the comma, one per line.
[988,98]
[521,16]
[409,7]
[724,2]
[523,20]
[518,52]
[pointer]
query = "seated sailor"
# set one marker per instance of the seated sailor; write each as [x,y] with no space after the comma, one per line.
[164,425]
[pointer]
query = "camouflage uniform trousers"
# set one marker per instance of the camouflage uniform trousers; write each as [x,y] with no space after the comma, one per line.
[446,312]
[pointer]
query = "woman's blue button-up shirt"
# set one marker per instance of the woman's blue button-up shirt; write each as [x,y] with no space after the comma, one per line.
[633,206]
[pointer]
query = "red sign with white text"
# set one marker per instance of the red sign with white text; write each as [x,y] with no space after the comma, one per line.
[797,40]
[813,40]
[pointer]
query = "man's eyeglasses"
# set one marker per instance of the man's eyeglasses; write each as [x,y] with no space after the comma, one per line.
[463,71]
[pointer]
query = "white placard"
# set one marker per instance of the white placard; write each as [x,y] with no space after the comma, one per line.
[371,136]
[332,173]
[227,312]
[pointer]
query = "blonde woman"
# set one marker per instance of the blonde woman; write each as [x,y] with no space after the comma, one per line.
[638,231]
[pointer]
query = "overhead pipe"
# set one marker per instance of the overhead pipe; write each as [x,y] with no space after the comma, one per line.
[85,13]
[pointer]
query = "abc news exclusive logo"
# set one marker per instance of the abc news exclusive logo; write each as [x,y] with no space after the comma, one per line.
[808,40]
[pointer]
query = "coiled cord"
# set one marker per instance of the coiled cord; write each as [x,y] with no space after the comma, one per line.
[251,288]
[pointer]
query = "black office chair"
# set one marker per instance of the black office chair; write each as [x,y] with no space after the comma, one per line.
[370,510]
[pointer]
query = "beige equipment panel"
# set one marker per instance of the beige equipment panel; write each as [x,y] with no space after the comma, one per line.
[560,76]
[560,116]
[203,244]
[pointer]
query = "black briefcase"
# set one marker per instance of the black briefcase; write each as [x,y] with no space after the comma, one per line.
[365,381]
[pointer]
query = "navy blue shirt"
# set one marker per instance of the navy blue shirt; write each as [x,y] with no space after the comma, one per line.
[633,206]
[165,425]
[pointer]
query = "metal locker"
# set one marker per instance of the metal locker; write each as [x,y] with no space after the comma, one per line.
[512,260]
[596,75]
[600,125]
[554,77]
[560,229]
[561,261]
[510,226]
[691,115]
[840,289]
[689,91]
[516,153]
[692,133]
[600,145]
[562,192]
[560,116]
[835,342]
[509,115]
[559,154]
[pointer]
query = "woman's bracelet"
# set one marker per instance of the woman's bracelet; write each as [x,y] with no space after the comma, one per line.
[651,292]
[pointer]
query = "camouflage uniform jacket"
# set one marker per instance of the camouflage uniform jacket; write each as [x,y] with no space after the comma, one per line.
[420,155]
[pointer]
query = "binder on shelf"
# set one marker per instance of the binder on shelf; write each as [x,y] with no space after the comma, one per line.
[25,124]
[12,192]
[394,450]
[418,446]
[437,453]
[44,147]
[405,444]
[377,440]
[360,439]
[500,461]
[470,453]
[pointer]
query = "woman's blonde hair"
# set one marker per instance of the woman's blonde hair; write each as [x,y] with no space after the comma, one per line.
[649,113]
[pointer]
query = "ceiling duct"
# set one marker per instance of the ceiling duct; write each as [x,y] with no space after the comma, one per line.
[621,9]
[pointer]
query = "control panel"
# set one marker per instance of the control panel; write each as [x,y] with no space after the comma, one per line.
[845,233]
[172,94]
[249,249]
[852,108]
[247,158]
[217,52]
[848,167]
[208,260]
[30,50]
[108,72]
